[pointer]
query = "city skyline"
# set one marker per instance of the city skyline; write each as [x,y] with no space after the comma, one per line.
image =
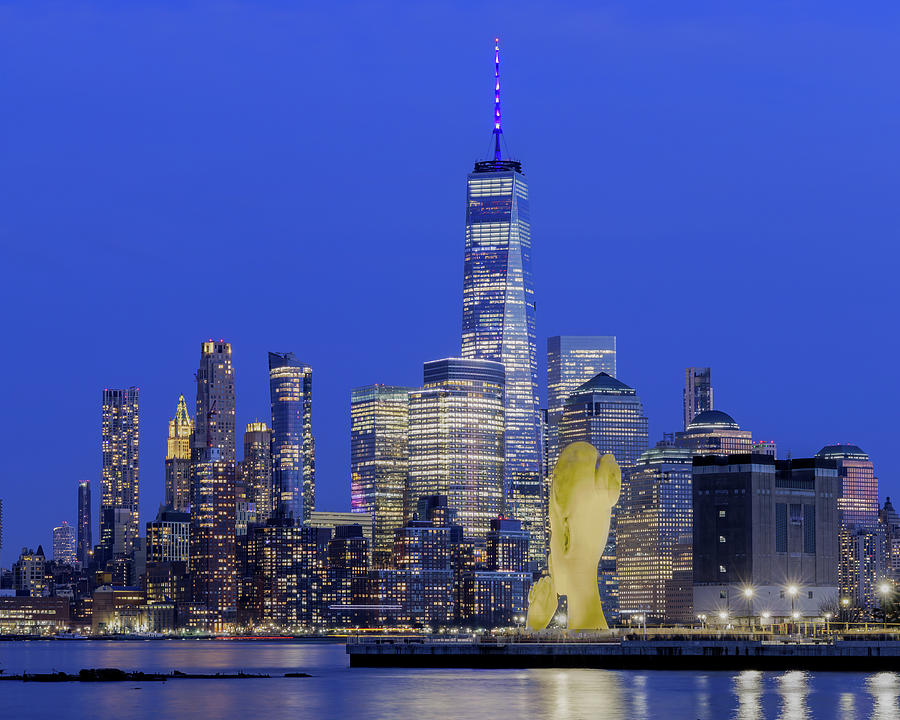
[163,369]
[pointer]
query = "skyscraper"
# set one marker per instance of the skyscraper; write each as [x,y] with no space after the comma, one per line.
[293,447]
[456,441]
[698,393]
[609,415]
[213,563]
[256,470]
[863,561]
[571,361]
[178,458]
[64,545]
[654,535]
[498,315]
[85,547]
[379,423]
[119,487]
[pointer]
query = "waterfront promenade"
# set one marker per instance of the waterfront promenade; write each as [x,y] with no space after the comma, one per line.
[631,652]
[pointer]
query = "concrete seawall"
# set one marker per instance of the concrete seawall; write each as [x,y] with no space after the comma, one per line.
[840,655]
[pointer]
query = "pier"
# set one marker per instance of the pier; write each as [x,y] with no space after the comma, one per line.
[625,653]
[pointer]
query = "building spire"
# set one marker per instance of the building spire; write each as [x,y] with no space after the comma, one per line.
[498,130]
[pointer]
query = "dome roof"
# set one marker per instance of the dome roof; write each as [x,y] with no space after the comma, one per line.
[714,417]
[842,450]
[604,383]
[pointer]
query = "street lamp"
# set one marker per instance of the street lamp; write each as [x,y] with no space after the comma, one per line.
[885,590]
[748,596]
[792,591]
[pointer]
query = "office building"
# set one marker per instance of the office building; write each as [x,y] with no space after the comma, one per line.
[379,424]
[713,432]
[698,393]
[169,537]
[654,536]
[456,441]
[609,415]
[85,547]
[498,317]
[293,447]
[178,458]
[331,520]
[863,555]
[256,486]
[347,570]
[65,545]
[213,552]
[120,479]
[765,537]
[572,360]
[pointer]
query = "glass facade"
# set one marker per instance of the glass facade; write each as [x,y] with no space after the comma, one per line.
[572,360]
[863,561]
[178,458]
[256,471]
[213,512]
[456,441]
[609,415]
[85,543]
[498,324]
[379,423]
[654,535]
[120,479]
[698,393]
[64,545]
[293,448]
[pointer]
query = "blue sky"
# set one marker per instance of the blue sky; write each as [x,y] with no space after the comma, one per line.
[715,184]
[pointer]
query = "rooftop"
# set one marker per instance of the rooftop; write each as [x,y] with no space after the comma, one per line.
[714,417]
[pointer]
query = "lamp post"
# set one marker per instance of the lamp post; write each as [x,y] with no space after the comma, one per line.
[748,596]
[845,604]
[792,591]
[884,589]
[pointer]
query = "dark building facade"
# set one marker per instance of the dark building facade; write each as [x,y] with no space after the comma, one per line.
[765,540]
[85,547]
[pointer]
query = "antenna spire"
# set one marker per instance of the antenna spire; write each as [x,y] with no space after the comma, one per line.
[498,130]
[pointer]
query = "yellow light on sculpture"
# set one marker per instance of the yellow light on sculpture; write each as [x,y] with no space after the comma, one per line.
[584,488]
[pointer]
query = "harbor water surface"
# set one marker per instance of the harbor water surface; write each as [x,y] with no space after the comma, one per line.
[336,691]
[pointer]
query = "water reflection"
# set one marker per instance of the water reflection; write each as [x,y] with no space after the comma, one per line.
[748,688]
[793,688]
[573,694]
[702,694]
[884,688]
[847,705]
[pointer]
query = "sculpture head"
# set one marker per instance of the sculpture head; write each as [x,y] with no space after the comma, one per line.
[584,490]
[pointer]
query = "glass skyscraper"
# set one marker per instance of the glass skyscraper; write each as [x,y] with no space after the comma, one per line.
[85,542]
[698,393]
[120,479]
[456,441]
[572,360]
[256,470]
[609,415]
[213,512]
[293,449]
[379,423]
[654,535]
[498,317]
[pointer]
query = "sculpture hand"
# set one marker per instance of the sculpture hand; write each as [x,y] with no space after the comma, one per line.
[542,603]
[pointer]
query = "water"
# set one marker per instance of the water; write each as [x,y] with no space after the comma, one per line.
[336,691]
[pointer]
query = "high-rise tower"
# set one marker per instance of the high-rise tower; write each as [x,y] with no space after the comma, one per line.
[572,360]
[498,315]
[698,393]
[379,426]
[456,441]
[213,562]
[85,543]
[293,447]
[119,488]
[178,458]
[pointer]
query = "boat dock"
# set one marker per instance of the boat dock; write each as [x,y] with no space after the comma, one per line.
[624,653]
